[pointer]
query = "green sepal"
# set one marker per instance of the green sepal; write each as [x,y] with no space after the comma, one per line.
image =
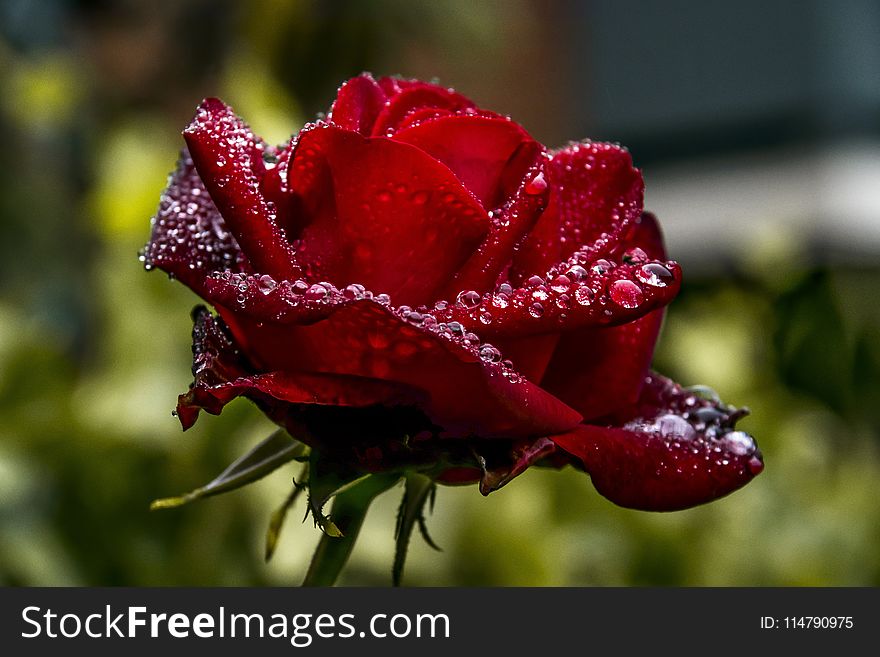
[269,455]
[419,490]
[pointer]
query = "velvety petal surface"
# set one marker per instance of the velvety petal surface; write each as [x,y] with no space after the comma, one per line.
[476,148]
[357,104]
[672,450]
[382,213]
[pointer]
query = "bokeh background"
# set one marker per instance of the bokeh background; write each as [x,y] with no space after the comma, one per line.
[757,124]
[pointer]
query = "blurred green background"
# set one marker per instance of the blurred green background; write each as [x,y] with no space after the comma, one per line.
[778,311]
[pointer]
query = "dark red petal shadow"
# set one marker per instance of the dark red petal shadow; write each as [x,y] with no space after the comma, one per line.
[189,238]
[382,213]
[229,160]
[672,450]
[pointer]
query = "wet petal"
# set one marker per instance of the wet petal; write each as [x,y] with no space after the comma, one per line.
[189,237]
[603,293]
[476,148]
[228,158]
[221,373]
[413,96]
[595,195]
[672,450]
[382,213]
[598,370]
[509,226]
[357,104]
[469,390]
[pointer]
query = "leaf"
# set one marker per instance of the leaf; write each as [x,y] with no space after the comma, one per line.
[269,455]
[419,490]
[276,522]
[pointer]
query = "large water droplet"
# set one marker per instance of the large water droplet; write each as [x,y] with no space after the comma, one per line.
[317,292]
[674,427]
[626,294]
[635,256]
[490,353]
[576,273]
[536,310]
[267,284]
[469,298]
[535,280]
[353,292]
[739,443]
[654,274]
[536,185]
[584,295]
[560,284]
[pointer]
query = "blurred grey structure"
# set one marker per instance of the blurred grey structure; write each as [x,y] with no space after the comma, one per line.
[754,117]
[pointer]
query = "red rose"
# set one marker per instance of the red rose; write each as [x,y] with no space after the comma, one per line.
[415,282]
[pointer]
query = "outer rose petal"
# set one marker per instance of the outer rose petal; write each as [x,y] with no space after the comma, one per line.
[670,451]
[382,213]
[595,194]
[599,370]
[221,373]
[189,238]
[357,104]
[228,158]
[476,148]
[469,393]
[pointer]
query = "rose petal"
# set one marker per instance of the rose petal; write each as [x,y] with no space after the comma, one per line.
[672,450]
[476,148]
[597,370]
[500,467]
[189,237]
[228,158]
[358,103]
[509,227]
[595,194]
[469,391]
[382,213]
[412,97]
[221,373]
[607,294]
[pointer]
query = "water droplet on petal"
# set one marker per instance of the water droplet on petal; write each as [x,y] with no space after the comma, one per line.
[489,353]
[536,310]
[383,196]
[384,299]
[560,284]
[654,274]
[535,280]
[506,288]
[674,427]
[635,256]
[456,328]
[626,294]
[267,284]
[419,198]
[739,443]
[536,185]
[584,295]
[601,267]
[469,298]
[353,292]
[317,292]
[576,273]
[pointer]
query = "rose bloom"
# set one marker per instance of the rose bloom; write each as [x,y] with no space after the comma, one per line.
[416,283]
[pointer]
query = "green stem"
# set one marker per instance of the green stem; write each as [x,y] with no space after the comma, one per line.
[348,513]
